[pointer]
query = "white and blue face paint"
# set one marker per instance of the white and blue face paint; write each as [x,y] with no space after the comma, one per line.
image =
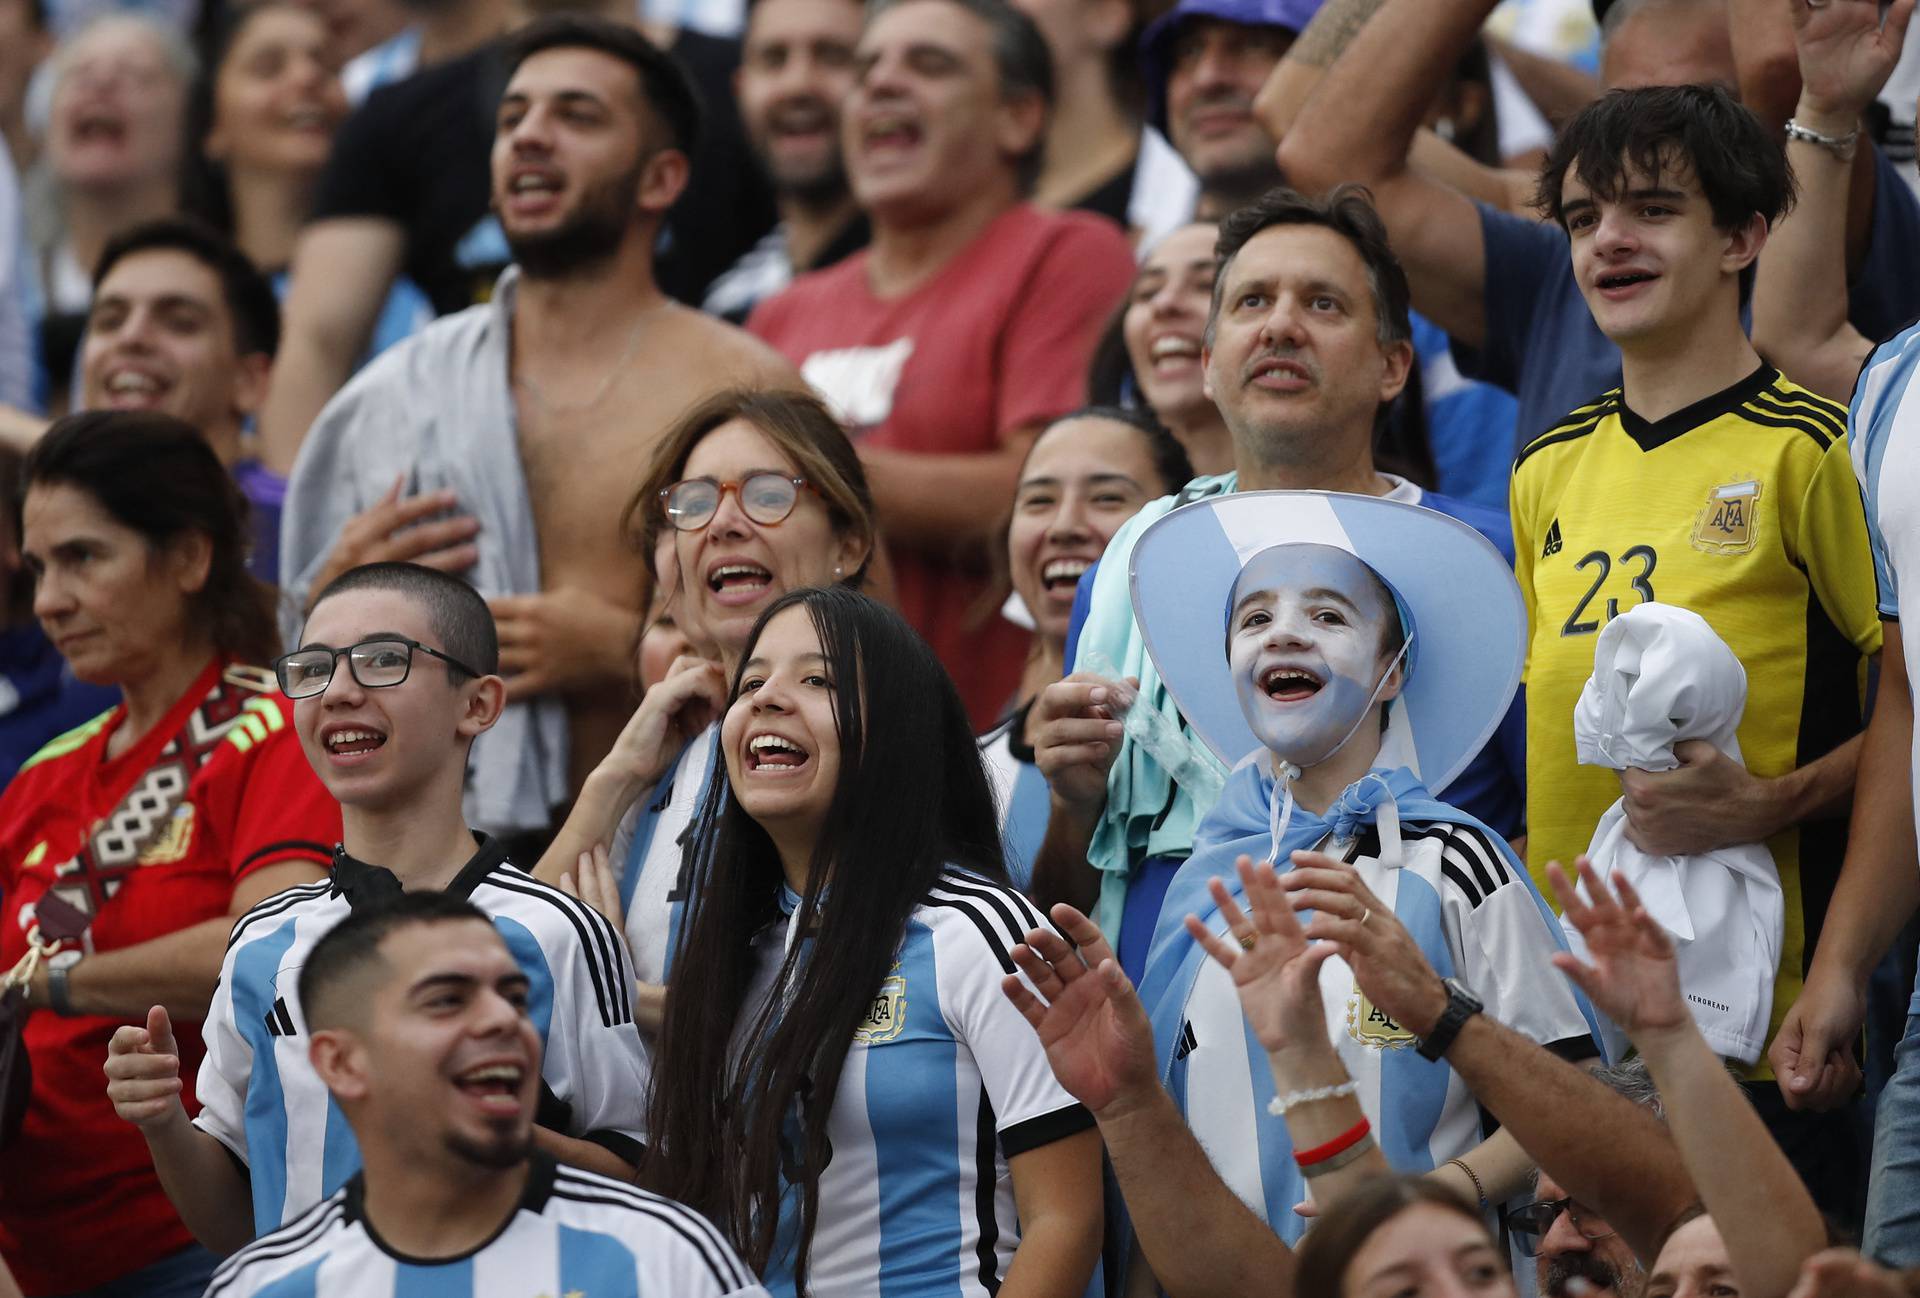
[1304,632]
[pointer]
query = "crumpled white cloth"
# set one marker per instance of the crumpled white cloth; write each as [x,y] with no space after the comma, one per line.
[1661,675]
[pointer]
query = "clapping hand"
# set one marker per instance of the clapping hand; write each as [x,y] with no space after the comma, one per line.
[1630,975]
[1087,1014]
[1275,969]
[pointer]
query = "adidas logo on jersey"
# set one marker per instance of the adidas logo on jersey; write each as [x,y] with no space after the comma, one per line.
[1553,545]
[279,1021]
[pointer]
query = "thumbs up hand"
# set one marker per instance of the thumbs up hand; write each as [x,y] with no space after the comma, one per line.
[143,1071]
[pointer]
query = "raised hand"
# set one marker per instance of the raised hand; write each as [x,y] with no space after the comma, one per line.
[143,1071]
[1633,978]
[1387,963]
[1274,968]
[1847,51]
[690,698]
[1076,735]
[1087,1014]
[592,881]
[1843,1273]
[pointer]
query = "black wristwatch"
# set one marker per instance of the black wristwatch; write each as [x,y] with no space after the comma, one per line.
[1461,1006]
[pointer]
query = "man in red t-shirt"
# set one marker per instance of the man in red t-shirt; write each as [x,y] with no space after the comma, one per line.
[967,323]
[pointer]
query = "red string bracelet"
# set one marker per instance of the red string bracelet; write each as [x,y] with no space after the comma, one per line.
[1339,1144]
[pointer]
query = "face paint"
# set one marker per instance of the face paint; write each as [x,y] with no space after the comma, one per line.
[1303,643]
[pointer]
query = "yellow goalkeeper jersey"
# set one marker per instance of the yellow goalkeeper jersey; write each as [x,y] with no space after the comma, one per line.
[1742,507]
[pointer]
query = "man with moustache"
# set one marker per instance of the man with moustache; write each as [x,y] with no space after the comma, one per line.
[1307,339]
[796,69]
[967,325]
[419,1026]
[514,411]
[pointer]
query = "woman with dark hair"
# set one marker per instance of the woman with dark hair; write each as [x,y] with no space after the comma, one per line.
[128,846]
[260,124]
[749,495]
[1087,473]
[889,1124]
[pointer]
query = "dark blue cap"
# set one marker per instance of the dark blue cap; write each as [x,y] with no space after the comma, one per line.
[1156,44]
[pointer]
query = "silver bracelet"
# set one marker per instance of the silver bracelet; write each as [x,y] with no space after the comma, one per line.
[1279,1104]
[1840,146]
[1352,1154]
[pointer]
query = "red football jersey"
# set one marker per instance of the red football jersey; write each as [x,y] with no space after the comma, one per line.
[148,843]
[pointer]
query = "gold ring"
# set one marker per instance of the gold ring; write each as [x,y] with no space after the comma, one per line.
[1245,940]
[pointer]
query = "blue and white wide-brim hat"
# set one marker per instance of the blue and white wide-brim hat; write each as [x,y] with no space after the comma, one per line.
[1456,592]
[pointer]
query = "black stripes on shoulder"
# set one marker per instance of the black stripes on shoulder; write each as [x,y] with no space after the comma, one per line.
[599,942]
[1469,860]
[301,1233]
[1823,420]
[700,1235]
[1575,426]
[1001,914]
[279,904]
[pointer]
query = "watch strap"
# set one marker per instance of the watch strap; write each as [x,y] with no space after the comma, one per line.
[1461,1006]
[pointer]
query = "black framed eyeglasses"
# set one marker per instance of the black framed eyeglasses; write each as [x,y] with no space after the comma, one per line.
[376,664]
[766,498]
[1531,1223]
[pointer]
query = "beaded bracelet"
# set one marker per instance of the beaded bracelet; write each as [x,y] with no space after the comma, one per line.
[1279,1105]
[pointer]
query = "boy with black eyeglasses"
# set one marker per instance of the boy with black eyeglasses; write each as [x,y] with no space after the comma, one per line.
[396,675]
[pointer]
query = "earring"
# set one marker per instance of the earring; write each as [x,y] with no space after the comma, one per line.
[836,572]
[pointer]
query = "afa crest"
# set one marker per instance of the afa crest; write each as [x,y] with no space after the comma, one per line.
[1726,522]
[888,1013]
[1368,1024]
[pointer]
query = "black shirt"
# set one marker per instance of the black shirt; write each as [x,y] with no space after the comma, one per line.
[418,153]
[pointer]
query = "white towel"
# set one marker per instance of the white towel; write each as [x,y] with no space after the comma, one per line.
[1660,676]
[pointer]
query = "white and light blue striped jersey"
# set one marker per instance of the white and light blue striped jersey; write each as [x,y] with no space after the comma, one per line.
[1020,791]
[572,1233]
[263,1100]
[650,858]
[944,1083]
[1883,436]
[1475,918]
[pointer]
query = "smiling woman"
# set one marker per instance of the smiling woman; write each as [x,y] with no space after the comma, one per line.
[749,495]
[135,838]
[840,975]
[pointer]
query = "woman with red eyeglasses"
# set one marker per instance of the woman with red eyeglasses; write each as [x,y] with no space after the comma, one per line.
[751,494]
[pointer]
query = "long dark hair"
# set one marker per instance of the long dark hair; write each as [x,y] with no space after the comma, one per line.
[1349,1222]
[912,801]
[156,475]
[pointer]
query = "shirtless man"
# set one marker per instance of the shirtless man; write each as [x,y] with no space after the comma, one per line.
[499,442]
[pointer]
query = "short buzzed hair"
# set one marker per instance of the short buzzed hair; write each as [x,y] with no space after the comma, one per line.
[345,967]
[455,610]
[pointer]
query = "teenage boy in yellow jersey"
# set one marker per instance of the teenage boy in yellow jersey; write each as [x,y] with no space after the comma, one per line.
[1710,482]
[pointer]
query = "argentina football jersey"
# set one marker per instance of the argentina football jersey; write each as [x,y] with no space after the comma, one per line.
[945,1082]
[571,1233]
[264,1102]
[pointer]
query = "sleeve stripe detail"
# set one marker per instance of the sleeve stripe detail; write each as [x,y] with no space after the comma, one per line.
[603,967]
[1000,949]
[300,1233]
[986,1248]
[1796,423]
[727,1270]
[279,903]
[608,940]
[291,849]
[1045,1129]
[1006,903]
[1545,440]
[1468,860]
[1829,414]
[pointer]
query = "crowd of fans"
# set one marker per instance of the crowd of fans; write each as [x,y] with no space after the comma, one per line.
[909,647]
